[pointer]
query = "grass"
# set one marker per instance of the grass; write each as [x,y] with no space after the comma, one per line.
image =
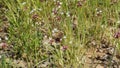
[57,33]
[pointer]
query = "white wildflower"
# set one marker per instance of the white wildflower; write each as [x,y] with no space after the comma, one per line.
[60,3]
[102,26]
[55,30]
[45,36]
[0,39]
[40,9]
[61,13]
[68,14]
[59,7]
[32,25]
[100,11]
[32,11]
[64,37]
[23,3]
[6,38]
[70,42]
[118,22]
[61,39]
[50,38]
[96,9]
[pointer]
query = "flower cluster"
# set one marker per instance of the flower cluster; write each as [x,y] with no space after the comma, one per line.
[57,35]
[117,34]
[64,48]
[3,45]
[80,3]
[98,12]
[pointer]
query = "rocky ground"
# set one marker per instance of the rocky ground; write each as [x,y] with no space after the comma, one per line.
[103,56]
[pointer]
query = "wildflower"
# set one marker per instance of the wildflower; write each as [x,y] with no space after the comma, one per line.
[6,38]
[59,7]
[32,11]
[68,14]
[54,11]
[79,4]
[40,9]
[3,45]
[70,42]
[58,3]
[117,34]
[96,9]
[35,16]
[64,37]
[23,3]
[0,39]
[98,12]
[102,26]
[118,22]
[50,38]
[64,48]
[61,13]
[55,30]
[58,18]
[61,39]
[45,36]
[52,41]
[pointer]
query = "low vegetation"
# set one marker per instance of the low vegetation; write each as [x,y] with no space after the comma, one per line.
[59,33]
